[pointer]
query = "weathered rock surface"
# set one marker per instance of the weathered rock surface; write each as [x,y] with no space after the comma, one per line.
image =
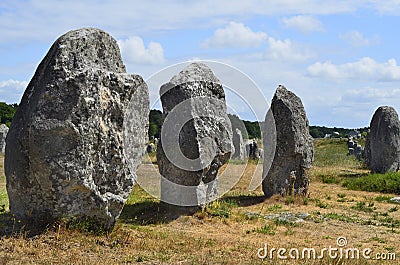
[80,119]
[3,135]
[294,147]
[196,137]
[382,148]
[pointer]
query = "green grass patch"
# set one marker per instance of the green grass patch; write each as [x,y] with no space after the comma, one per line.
[340,217]
[274,208]
[4,200]
[385,183]
[285,222]
[383,198]
[221,208]
[321,204]
[266,229]
[330,179]
[333,152]
[86,226]
[364,207]
[289,200]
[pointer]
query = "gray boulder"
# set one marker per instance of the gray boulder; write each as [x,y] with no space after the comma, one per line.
[81,119]
[196,137]
[294,147]
[382,148]
[3,135]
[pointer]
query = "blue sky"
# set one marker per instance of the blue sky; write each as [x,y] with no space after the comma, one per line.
[341,57]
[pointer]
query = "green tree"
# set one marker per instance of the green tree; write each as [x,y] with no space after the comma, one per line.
[155,123]
[7,113]
[253,129]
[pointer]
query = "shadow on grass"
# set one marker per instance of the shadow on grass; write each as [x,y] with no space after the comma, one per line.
[352,175]
[152,212]
[244,200]
[10,226]
[155,212]
[141,213]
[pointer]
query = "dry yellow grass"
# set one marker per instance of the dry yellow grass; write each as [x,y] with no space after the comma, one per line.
[146,235]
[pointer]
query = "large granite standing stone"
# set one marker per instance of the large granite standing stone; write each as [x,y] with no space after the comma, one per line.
[3,135]
[382,147]
[80,119]
[294,147]
[196,137]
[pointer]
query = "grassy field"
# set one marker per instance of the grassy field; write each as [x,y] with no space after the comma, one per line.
[231,230]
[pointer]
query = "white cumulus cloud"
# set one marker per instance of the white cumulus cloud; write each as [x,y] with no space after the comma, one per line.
[235,35]
[285,50]
[355,38]
[304,24]
[371,94]
[364,69]
[11,90]
[133,50]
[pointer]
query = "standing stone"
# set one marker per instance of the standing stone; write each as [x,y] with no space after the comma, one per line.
[350,144]
[239,135]
[260,153]
[358,151]
[382,148]
[80,120]
[151,148]
[254,153]
[294,147]
[351,151]
[238,143]
[196,137]
[3,135]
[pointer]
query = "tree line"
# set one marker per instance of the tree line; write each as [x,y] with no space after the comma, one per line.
[252,128]
[321,131]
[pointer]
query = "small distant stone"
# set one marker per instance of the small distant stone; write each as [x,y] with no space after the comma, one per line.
[288,217]
[252,214]
[395,200]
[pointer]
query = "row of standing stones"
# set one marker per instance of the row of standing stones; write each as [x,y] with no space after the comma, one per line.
[80,132]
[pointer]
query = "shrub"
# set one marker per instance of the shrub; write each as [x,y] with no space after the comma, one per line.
[385,183]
